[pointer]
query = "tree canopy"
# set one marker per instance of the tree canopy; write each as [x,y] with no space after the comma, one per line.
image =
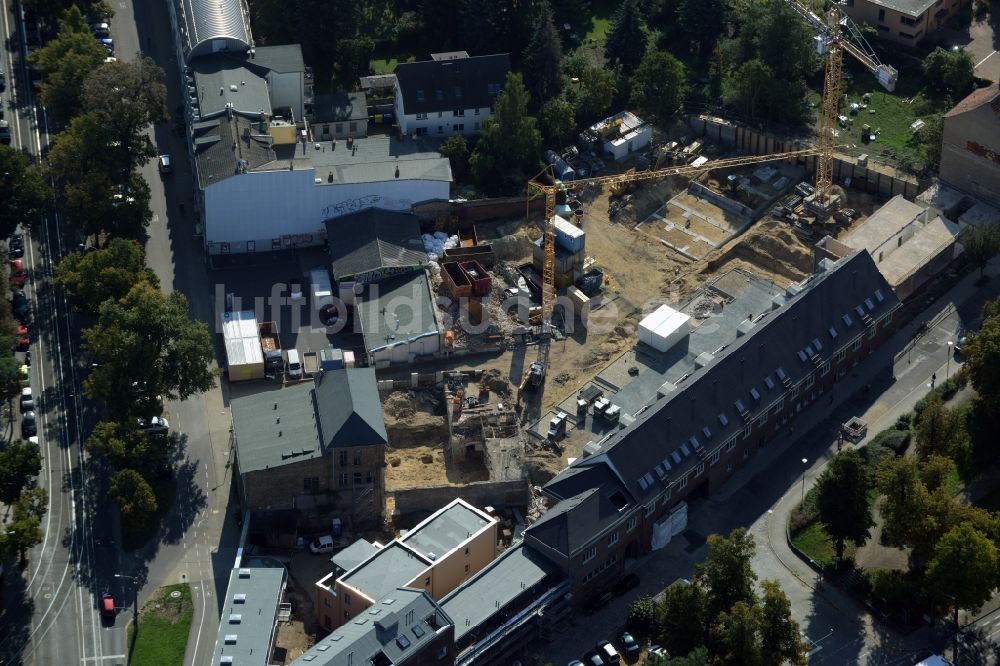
[91,278]
[25,193]
[134,496]
[963,569]
[684,618]
[950,71]
[981,244]
[982,357]
[940,430]
[659,84]
[148,338]
[702,21]
[24,530]
[542,60]
[20,463]
[842,500]
[625,43]
[509,146]
[726,571]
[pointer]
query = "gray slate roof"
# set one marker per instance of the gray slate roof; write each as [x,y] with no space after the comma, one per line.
[413,311]
[770,348]
[261,588]
[393,566]
[262,442]
[215,76]
[372,239]
[510,577]
[281,58]
[339,107]
[445,85]
[376,158]
[377,631]
[353,555]
[350,412]
[213,144]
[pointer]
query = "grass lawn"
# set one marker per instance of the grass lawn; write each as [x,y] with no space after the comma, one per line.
[385,63]
[164,623]
[813,541]
[600,21]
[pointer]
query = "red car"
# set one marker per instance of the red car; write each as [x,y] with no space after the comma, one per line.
[108,609]
[23,338]
[17,274]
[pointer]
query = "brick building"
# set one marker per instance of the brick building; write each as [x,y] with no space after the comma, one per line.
[620,501]
[314,442]
[970,150]
[906,22]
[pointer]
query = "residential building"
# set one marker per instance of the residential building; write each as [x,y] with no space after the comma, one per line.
[405,628]
[339,115]
[451,94]
[970,152]
[623,499]
[906,22]
[313,442]
[436,556]
[249,617]
[909,243]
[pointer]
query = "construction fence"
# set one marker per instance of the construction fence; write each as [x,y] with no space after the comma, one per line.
[877,179]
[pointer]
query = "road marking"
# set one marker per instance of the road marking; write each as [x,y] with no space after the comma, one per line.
[992,53]
[110,656]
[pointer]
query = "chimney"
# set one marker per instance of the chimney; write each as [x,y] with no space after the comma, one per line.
[397,171]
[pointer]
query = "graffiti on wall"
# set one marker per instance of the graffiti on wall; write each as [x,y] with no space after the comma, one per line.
[982,151]
[351,206]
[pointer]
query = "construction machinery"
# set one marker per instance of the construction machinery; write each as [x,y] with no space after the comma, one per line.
[835,34]
[546,184]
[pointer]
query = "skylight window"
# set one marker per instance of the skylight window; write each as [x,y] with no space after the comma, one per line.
[677,457]
[706,432]
[878,295]
[755,394]
[439,94]
[869,304]
[403,642]
[723,420]
[817,344]
[695,443]
[420,95]
[781,373]
[739,406]
[833,333]
[809,351]
[860,310]
[769,383]
[685,450]
[666,464]
[458,92]
[642,483]
[418,631]
[493,88]
[660,471]
[848,322]
[802,355]
[649,478]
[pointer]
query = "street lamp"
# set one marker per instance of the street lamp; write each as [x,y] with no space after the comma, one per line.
[948,366]
[805,461]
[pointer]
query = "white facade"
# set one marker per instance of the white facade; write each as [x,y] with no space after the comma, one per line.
[664,328]
[264,210]
[440,123]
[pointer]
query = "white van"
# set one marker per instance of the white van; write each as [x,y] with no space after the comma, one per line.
[294,366]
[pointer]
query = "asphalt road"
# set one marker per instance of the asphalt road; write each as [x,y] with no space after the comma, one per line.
[51,610]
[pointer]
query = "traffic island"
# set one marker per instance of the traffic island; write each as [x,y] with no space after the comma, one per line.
[160,636]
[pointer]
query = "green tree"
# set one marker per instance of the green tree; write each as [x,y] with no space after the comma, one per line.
[780,641]
[64,63]
[982,359]
[642,618]
[10,372]
[697,657]
[111,272]
[25,192]
[935,470]
[24,530]
[702,21]
[950,71]
[20,463]
[981,245]
[940,430]
[125,446]
[683,618]
[147,337]
[659,84]
[134,497]
[963,570]
[556,120]
[931,138]
[354,59]
[625,44]
[542,59]
[456,149]
[726,571]
[747,88]
[126,98]
[842,500]
[736,636]
[593,95]
[508,151]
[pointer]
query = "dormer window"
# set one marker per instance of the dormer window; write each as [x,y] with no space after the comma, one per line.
[420,95]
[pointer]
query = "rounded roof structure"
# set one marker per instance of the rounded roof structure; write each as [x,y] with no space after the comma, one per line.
[206,22]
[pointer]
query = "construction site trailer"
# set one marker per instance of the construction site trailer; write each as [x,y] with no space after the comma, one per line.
[571,237]
[664,328]
[244,357]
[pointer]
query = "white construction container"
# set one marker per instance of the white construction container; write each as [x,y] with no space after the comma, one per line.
[244,356]
[569,236]
[664,328]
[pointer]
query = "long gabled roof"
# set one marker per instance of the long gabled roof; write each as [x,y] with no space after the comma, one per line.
[374,238]
[743,382]
[445,85]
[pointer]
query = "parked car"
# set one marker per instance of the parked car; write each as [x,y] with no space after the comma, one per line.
[624,584]
[107,609]
[608,652]
[575,662]
[23,339]
[629,645]
[18,276]
[597,602]
[3,82]
[27,400]
[156,425]
[163,164]
[593,659]
[15,246]
[324,544]
[101,30]
[659,651]
[962,341]
[29,426]
[20,306]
